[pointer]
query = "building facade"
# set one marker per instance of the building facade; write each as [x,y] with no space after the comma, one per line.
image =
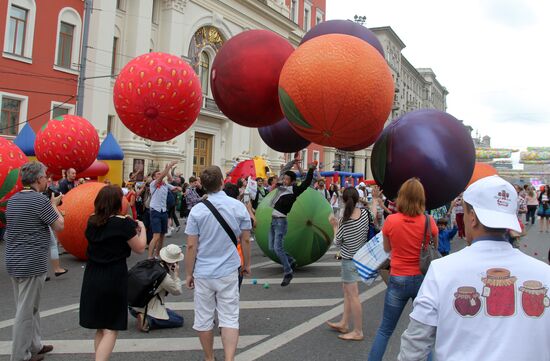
[195,30]
[41,44]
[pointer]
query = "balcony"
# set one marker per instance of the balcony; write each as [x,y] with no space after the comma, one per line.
[210,105]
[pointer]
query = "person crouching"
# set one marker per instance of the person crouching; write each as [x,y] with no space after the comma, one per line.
[158,316]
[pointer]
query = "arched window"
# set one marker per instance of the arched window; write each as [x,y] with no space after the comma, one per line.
[69,26]
[204,71]
[19,33]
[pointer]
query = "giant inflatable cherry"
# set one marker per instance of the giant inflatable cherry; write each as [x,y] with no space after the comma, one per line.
[282,138]
[428,144]
[245,75]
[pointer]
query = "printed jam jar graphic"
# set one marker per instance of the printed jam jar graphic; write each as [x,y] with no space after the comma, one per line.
[499,292]
[534,298]
[467,302]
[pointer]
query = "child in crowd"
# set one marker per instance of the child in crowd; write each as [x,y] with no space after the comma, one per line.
[445,236]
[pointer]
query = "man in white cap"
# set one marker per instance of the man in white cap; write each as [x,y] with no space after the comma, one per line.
[157,315]
[488,301]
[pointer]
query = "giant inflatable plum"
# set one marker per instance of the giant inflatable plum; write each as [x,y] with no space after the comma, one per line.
[346,27]
[428,144]
[282,138]
[68,141]
[309,233]
[336,90]
[245,75]
[157,96]
[11,159]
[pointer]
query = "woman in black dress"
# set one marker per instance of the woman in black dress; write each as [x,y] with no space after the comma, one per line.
[103,300]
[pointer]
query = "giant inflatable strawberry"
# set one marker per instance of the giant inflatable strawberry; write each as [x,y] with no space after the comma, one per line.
[11,158]
[66,142]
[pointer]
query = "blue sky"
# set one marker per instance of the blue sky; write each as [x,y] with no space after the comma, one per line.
[492,55]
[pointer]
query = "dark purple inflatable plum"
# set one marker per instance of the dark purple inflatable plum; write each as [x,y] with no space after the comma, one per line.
[428,144]
[282,138]
[346,27]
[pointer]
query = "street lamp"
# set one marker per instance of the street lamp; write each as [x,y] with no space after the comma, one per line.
[359,19]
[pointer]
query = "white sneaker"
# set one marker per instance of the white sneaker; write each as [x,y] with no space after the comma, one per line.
[169,233]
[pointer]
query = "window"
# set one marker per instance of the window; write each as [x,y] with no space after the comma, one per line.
[204,72]
[318,20]
[316,156]
[65,45]
[293,10]
[307,20]
[120,4]
[59,111]
[9,120]
[114,57]
[110,123]
[17,28]
[304,159]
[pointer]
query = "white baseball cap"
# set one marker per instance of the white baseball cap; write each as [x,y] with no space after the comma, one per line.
[495,202]
[361,184]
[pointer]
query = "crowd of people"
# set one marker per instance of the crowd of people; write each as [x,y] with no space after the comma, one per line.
[219,222]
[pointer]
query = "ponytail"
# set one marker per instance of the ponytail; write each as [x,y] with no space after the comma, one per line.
[351,197]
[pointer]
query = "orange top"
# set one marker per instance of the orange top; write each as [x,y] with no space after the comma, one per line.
[405,235]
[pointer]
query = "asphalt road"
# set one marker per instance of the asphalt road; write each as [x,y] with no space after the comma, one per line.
[276,323]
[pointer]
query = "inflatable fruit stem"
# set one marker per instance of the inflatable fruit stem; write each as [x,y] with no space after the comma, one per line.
[290,110]
[9,182]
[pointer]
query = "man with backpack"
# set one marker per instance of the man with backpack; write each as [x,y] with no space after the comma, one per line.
[164,279]
[212,262]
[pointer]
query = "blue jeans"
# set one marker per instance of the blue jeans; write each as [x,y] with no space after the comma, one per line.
[174,320]
[276,243]
[400,290]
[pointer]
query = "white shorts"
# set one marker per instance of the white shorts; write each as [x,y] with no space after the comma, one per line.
[218,294]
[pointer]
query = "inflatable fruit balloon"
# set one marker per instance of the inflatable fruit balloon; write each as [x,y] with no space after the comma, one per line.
[365,144]
[482,170]
[309,232]
[335,90]
[157,96]
[68,141]
[346,27]
[428,144]
[11,159]
[78,205]
[98,168]
[245,75]
[282,138]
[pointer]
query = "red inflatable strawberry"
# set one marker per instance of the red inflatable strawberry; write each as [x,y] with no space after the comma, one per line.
[66,142]
[157,96]
[11,158]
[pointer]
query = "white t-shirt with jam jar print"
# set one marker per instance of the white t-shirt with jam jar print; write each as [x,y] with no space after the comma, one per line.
[489,302]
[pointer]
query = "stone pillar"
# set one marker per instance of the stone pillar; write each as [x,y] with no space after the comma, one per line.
[138,27]
[172,27]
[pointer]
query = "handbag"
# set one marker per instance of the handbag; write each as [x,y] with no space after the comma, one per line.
[370,258]
[428,252]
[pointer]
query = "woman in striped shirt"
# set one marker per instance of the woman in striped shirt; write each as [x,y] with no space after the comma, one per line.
[352,234]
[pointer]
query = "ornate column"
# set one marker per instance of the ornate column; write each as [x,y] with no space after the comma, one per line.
[172,26]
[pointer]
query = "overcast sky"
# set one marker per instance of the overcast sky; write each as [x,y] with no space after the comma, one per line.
[493,56]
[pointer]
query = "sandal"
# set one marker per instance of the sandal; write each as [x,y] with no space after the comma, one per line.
[57,274]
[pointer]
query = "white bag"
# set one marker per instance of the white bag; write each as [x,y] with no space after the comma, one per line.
[251,188]
[370,258]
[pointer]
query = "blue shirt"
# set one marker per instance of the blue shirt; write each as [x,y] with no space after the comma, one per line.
[217,256]
[445,236]
[158,195]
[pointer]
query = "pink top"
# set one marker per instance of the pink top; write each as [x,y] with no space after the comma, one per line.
[531,201]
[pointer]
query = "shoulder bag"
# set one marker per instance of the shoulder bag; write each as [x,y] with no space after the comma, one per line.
[428,252]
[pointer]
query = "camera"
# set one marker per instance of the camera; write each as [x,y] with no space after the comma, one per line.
[52,190]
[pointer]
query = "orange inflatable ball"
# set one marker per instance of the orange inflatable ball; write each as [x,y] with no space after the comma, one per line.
[336,90]
[482,170]
[77,207]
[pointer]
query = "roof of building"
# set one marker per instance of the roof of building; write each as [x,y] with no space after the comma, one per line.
[25,140]
[389,30]
[110,150]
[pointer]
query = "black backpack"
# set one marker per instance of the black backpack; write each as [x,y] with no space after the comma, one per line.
[143,281]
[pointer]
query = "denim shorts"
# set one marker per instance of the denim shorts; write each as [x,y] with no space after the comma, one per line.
[159,221]
[349,272]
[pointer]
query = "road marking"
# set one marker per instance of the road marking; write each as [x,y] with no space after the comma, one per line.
[261,264]
[53,311]
[275,342]
[136,344]
[316,264]
[251,305]
[295,280]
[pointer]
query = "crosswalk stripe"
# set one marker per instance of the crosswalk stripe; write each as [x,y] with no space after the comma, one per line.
[264,304]
[136,345]
[295,280]
[316,264]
